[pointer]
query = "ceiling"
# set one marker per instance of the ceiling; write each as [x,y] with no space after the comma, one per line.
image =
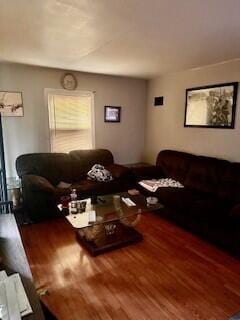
[137,38]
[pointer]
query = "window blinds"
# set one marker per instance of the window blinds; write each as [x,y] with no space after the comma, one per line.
[70,122]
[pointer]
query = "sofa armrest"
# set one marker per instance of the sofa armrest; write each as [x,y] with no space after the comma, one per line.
[147,172]
[37,183]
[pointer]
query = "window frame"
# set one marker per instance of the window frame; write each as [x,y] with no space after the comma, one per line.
[63,92]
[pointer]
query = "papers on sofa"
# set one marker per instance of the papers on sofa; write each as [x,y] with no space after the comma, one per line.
[154,184]
[82,220]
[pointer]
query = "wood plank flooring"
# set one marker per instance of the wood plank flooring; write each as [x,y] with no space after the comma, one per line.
[170,275]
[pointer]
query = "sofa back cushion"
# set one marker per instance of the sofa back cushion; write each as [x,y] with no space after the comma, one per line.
[174,164]
[204,174]
[55,167]
[229,185]
[83,160]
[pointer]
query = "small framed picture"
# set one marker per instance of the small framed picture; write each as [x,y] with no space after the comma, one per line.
[112,114]
[211,106]
[11,104]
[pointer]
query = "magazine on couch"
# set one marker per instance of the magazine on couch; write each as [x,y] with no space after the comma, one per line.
[153,184]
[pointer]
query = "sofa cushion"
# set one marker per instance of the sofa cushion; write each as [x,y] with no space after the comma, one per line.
[118,171]
[147,172]
[55,167]
[174,164]
[210,209]
[204,174]
[177,198]
[229,185]
[194,204]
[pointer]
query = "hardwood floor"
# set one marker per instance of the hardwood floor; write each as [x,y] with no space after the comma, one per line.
[171,274]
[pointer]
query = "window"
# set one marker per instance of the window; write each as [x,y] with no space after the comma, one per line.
[70,120]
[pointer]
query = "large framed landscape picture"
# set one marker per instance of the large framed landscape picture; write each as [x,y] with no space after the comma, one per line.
[11,104]
[211,106]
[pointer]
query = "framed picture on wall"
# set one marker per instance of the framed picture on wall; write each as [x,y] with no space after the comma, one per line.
[211,106]
[11,104]
[112,114]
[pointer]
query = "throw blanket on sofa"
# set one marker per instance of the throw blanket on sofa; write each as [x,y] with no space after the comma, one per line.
[153,185]
[99,173]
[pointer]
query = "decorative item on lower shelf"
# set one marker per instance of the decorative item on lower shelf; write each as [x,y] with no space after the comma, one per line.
[92,233]
[110,228]
[152,200]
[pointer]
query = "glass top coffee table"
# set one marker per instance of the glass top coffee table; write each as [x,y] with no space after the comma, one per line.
[110,222]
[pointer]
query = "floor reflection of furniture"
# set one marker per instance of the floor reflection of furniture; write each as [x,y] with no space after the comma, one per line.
[14,260]
[115,221]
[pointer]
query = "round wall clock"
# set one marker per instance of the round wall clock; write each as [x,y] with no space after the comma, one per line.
[69,82]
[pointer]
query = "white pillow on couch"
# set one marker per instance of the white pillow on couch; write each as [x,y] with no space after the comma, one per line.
[99,173]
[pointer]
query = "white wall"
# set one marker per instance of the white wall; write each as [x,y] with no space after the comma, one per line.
[30,133]
[165,125]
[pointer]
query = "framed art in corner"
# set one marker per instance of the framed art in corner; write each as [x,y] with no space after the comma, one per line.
[112,114]
[11,104]
[211,106]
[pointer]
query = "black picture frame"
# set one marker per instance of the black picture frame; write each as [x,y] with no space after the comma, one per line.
[212,106]
[112,114]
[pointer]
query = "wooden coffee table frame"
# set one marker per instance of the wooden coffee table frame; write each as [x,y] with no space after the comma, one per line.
[123,236]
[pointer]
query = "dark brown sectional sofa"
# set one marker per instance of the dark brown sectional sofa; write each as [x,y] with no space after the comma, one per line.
[41,173]
[209,203]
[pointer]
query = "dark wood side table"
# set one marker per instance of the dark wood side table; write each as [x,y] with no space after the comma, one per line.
[14,260]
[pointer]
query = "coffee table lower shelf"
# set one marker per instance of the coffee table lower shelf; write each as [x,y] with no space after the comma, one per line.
[104,242]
